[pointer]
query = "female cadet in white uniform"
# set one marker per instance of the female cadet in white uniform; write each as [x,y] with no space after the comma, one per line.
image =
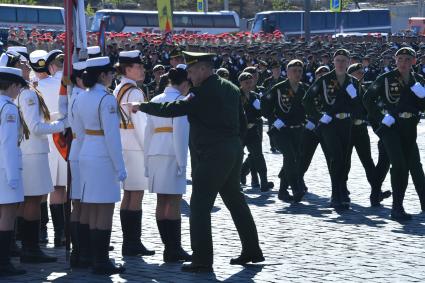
[166,146]
[78,137]
[11,190]
[36,172]
[101,162]
[130,67]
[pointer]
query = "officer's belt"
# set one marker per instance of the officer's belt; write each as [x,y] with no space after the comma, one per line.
[163,130]
[127,127]
[406,115]
[342,116]
[95,132]
[358,122]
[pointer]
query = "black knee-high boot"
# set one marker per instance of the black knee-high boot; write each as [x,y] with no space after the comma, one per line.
[44,239]
[85,258]
[6,267]
[131,222]
[31,252]
[175,251]
[58,217]
[102,263]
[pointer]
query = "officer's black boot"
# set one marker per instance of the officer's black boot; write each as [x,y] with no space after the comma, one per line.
[18,231]
[283,194]
[75,253]
[14,248]
[174,252]
[377,196]
[43,223]
[163,232]
[255,183]
[397,212]
[132,244]
[102,264]
[31,252]
[265,184]
[6,267]
[85,258]
[58,217]
[244,172]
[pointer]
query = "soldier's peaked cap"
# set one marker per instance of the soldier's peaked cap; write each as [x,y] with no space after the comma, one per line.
[196,57]
[295,63]
[342,52]
[354,67]
[94,51]
[38,61]
[130,57]
[176,52]
[406,51]
[244,76]
[52,55]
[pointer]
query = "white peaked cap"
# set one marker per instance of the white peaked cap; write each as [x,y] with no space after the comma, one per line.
[3,60]
[21,49]
[130,54]
[98,62]
[93,50]
[12,71]
[181,66]
[38,55]
[79,65]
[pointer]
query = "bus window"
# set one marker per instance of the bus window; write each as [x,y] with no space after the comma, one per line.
[379,17]
[134,20]
[226,21]
[182,21]
[8,14]
[357,20]
[27,15]
[290,22]
[47,16]
[153,20]
[317,20]
[202,21]
[116,23]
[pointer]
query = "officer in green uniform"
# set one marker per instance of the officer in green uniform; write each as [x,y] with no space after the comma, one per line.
[217,125]
[361,141]
[338,91]
[283,105]
[402,95]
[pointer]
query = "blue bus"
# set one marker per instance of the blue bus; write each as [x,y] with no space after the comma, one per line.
[291,23]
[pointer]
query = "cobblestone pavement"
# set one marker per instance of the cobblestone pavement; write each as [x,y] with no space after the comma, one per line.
[305,242]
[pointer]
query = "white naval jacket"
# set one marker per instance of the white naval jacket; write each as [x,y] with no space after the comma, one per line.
[174,143]
[78,132]
[132,139]
[97,109]
[38,127]
[10,134]
[49,88]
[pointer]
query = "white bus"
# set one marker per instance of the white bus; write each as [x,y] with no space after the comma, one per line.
[40,17]
[183,22]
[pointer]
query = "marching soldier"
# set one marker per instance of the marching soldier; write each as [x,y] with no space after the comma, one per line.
[130,67]
[166,147]
[216,122]
[338,91]
[253,142]
[283,105]
[402,96]
[12,131]
[361,141]
[97,114]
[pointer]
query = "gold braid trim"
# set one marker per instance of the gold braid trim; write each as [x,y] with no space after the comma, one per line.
[42,103]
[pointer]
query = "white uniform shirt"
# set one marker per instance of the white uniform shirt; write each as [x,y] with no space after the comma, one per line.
[132,139]
[38,127]
[77,130]
[49,88]
[10,134]
[169,143]
[96,109]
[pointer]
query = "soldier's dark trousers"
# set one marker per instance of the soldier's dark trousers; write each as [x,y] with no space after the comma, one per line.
[415,168]
[360,140]
[288,141]
[218,172]
[336,138]
[400,143]
[309,142]
[272,141]
[256,160]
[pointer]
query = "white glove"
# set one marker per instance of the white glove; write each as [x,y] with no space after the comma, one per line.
[122,175]
[351,90]
[423,69]
[310,126]
[418,89]
[13,184]
[261,93]
[388,120]
[181,171]
[278,124]
[366,69]
[326,119]
[257,104]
